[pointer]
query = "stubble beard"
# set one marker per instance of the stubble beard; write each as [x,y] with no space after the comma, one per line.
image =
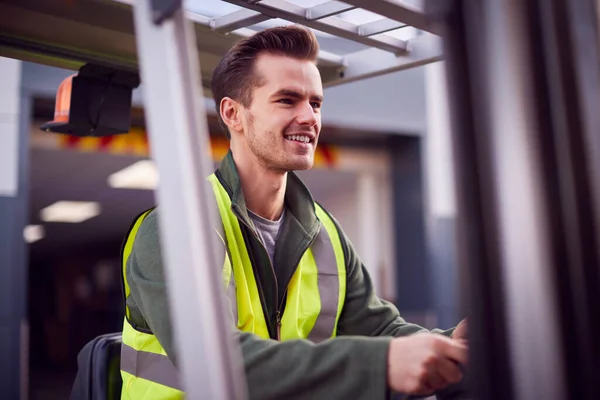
[268,153]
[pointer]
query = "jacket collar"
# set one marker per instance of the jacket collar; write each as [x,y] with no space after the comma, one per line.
[298,200]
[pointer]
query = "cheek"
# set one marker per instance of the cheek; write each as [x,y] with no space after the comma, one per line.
[318,123]
[247,121]
[278,123]
[271,123]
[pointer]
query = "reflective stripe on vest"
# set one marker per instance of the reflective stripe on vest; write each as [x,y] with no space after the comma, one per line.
[328,283]
[315,293]
[146,370]
[229,281]
[154,366]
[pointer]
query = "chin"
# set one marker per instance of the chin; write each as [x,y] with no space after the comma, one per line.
[300,165]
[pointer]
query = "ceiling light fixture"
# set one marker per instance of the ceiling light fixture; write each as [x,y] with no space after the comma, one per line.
[33,233]
[70,211]
[141,175]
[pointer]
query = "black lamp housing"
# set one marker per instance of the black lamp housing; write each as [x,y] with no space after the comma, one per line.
[100,102]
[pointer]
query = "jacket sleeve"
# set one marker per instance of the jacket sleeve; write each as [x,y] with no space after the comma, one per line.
[342,368]
[364,313]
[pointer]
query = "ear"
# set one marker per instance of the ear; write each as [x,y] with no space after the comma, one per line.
[230,113]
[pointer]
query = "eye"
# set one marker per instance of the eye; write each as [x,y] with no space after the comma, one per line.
[315,104]
[285,101]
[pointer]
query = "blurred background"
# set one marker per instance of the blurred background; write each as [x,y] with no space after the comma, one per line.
[384,169]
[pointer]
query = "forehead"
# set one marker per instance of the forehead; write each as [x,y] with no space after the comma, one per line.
[278,71]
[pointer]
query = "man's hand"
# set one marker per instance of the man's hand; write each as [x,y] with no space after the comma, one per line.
[425,362]
[461,331]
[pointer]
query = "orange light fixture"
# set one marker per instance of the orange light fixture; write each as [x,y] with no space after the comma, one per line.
[62,105]
[94,102]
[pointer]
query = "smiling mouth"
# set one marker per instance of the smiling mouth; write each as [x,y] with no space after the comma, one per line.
[299,138]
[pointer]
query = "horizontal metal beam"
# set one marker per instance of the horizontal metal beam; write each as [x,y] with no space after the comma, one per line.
[59,55]
[32,32]
[195,17]
[329,59]
[380,26]
[335,26]
[236,20]
[327,10]
[396,11]
[425,49]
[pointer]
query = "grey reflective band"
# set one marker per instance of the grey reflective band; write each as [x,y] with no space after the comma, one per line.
[329,287]
[153,367]
[231,294]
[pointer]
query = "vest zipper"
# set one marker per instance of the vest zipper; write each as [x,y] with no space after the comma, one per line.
[282,303]
[278,319]
[278,313]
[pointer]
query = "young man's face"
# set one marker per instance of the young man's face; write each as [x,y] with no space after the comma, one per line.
[283,122]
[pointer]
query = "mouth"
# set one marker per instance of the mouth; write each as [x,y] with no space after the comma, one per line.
[301,138]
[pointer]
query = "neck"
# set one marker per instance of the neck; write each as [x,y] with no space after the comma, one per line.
[264,189]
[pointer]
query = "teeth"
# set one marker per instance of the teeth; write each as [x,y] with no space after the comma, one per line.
[299,138]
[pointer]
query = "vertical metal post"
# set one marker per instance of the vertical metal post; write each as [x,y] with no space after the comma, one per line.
[209,358]
[15,119]
[480,276]
[569,49]
[440,212]
[505,211]
[522,207]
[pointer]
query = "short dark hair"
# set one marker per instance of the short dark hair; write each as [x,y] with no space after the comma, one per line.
[235,77]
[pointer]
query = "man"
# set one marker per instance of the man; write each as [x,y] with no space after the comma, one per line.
[310,325]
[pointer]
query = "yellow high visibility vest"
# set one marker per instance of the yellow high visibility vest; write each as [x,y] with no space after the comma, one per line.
[314,302]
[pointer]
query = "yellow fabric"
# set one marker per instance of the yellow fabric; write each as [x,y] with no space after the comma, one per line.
[302,306]
[250,314]
[136,388]
[303,303]
[127,251]
[142,341]
[226,272]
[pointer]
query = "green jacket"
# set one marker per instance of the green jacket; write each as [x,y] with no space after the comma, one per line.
[351,366]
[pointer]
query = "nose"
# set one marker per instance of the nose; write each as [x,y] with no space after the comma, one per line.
[307,115]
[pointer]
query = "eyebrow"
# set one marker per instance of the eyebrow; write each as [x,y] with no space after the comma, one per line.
[297,95]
